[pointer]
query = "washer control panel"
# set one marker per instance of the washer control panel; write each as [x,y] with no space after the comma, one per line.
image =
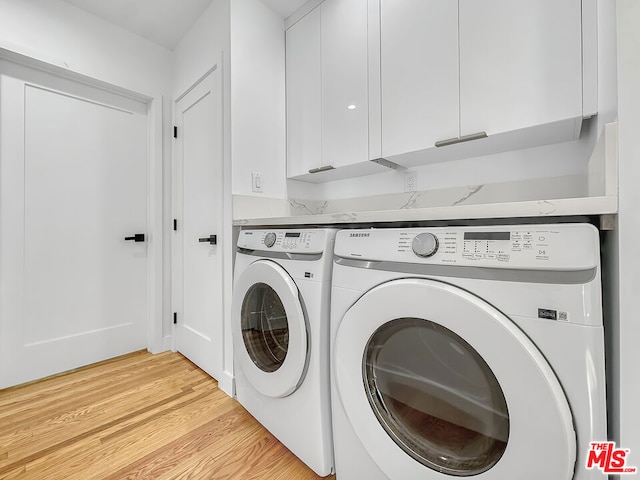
[425,244]
[559,247]
[302,241]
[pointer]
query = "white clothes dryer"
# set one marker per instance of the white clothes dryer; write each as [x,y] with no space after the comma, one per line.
[467,352]
[280,329]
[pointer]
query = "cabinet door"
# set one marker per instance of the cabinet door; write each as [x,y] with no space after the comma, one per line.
[520,64]
[345,125]
[419,73]
[303,77]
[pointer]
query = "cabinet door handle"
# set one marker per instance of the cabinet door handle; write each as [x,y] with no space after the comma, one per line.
[448,141]
[473,136]
[321,169]
[464,138]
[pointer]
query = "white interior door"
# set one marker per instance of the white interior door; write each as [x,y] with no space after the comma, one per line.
[72,187]
[197,262]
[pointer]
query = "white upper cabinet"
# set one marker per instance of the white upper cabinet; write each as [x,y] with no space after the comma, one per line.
[419,73]
[345,125]
[333,39]
[304,110]
[411,82]
[453,71]
[520,64]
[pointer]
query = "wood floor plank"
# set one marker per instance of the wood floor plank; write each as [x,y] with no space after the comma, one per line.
[109,368]
[206,463]
[19,472]
[139,416]
[213,434]
[87,417]
[245,462]
[77,462]
[52,402]
[49,441]
[40,433]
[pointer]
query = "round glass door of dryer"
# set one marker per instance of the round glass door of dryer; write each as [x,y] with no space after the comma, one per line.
[265,329]
[269,329]
[436,397]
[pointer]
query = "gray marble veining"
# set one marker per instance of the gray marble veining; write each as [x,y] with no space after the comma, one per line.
[472,192]
[413,201]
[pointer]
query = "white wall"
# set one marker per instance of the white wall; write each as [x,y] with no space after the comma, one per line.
[201,47]
[629,225]
[257,98]
[64,35]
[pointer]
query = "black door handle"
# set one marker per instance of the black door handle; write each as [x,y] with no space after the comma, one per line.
[211,240]
[138,237]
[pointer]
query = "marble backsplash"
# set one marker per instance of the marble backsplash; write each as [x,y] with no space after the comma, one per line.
[538,189]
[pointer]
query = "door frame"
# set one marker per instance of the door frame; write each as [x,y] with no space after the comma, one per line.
[154,176]
[225,236]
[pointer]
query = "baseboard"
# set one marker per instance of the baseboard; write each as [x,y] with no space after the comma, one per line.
[227,384]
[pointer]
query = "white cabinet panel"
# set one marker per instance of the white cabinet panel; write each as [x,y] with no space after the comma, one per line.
[303,77]
[422,71]
[520,64]
[328,61]
[345,125]
[510,68]
[419,63]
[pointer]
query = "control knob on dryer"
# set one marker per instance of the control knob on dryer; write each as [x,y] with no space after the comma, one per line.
[270,239]
[425,244]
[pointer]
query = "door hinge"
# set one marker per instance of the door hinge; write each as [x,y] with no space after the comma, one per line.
[175,132]
[175,318]
[175,224]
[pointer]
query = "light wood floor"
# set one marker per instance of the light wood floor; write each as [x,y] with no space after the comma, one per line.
[138,416]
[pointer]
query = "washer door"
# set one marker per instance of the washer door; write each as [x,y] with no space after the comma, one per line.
[449,387]
[269,329]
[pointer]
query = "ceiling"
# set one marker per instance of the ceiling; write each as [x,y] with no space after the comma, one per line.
[163,22]
[284,7]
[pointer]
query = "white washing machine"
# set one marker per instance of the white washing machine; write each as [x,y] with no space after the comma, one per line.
[280,328]
[467,352]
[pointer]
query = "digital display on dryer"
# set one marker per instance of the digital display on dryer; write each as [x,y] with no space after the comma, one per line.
[487,235]
[292,235]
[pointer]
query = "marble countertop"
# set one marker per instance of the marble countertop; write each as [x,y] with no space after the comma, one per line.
[603,205]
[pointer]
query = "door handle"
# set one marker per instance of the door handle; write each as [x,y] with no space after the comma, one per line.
[138,237]
[211,240]
[321,169]
[464,138]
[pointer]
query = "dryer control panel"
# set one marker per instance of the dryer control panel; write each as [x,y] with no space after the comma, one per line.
[553,247]
[299,241]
